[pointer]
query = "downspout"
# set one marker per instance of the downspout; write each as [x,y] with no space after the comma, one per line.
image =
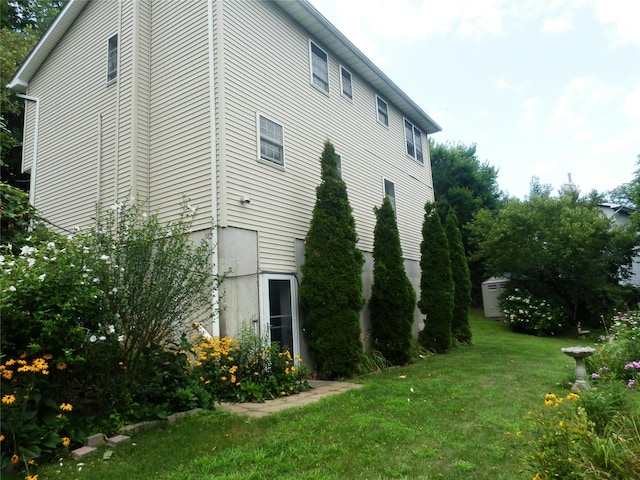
[34,162]
[215,326]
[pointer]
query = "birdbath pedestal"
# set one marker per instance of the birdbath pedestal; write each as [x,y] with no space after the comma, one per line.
[579,353]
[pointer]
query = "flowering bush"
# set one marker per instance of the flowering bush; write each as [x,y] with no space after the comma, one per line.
[617,355]
[247,369]
[569,443]
[528,314]
[34,421]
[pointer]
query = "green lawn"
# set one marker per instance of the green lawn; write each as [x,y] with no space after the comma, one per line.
[458,416]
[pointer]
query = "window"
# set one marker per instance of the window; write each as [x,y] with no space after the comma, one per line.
[383,111]
[345,83]
[271,144]
[413,138]
[319,67]
[112,58]
[390,191]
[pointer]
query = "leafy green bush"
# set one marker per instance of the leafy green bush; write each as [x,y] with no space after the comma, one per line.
[248,369]
[527,314]
[461,280]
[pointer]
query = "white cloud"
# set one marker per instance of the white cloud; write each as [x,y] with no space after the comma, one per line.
[580,98]
[501,83]
[557,25]
[622,17]
[528,109]
[631,104]
[620,142]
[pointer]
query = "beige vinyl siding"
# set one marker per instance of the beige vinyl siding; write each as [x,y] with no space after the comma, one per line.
[180,126]
[282,200]
[72,91]
[28,139]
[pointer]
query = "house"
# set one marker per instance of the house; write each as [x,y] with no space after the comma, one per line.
[228,104]
[621,215]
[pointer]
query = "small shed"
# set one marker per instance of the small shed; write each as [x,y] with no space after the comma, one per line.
[491,290]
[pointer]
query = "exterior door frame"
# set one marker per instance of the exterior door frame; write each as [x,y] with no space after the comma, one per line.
[265,327]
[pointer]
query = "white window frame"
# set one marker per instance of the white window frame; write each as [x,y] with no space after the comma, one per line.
[339,160]
[313,76]
[393,197]
[112,54]
[413,137]
[348,95]
[385,120]
[265,158]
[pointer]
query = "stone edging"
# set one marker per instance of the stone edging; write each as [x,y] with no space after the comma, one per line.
[91,443]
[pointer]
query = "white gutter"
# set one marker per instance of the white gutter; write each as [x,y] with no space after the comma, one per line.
[99,155]
[34,162]
[215,324]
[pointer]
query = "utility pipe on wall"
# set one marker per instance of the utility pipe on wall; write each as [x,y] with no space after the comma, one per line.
[34,162]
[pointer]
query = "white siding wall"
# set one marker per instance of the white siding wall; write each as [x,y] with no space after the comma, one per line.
[73,93]
[180,123]
[258,36]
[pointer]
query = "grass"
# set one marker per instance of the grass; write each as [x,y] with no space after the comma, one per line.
[458,416]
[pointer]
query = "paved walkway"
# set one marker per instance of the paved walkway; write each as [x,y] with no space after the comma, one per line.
[319,389]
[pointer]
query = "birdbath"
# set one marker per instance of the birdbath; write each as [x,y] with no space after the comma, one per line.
[579,353]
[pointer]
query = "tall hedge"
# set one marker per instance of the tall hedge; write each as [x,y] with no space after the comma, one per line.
[331,288]
[461,280]
[393,299]
[436,284]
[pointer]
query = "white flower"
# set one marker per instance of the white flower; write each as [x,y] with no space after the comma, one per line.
[51,245]
[9,246]
[112,329]
[12,288]
[411,389]
[102,338]
[31,261]
[92,338]
[27,250]
[1,259]
[104,257]
[121,338]
[41,277]
[114,290]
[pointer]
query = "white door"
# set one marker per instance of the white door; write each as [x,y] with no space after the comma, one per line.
[279,311]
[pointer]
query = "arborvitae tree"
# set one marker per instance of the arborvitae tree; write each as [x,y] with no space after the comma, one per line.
[393,298]
[436,284]
[331,288]
[461,280]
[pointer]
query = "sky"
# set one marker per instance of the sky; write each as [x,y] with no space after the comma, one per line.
[544,88]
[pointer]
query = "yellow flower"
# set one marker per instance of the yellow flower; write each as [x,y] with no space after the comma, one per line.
[561,424]
[15,458]
[8,399]
[8,374]
[224,379]
[233,379]
[32,461]
[559,400]
[573,396]
[67,407]
[59,415]
[31,477]
[548,402]
[47,356]
[10,362]
[1,438]
[537,477]
[61,365]
[66,441]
